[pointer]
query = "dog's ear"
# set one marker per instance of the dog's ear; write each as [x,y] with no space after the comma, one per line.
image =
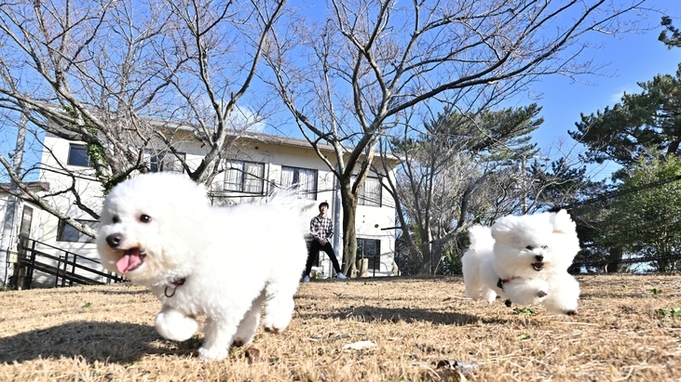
[562,223]
[503,229]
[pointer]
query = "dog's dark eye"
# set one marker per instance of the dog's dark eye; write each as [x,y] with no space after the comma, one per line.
[115,219]
[544,246]
[145,218]
[529,247]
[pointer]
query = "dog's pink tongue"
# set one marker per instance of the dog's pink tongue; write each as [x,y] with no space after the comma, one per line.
[130,260]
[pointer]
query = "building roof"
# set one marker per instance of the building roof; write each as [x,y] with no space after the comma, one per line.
[258,137]
[6,188]
[294,142]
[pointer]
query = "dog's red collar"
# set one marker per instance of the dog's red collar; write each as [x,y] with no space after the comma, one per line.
[501,282]
[173,285]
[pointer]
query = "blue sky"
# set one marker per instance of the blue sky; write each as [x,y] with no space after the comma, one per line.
[629,58]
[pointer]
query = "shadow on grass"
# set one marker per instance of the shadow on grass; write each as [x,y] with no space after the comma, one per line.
[384,315]
[93,341]
[111,289]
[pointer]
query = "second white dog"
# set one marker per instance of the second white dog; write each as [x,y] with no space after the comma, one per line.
[524,260]
[222,262]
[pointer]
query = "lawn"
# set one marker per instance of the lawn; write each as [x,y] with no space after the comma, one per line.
[398,329]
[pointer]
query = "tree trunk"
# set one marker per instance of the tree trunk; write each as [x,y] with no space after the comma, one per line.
[614,260]
[425,268]
[349,202]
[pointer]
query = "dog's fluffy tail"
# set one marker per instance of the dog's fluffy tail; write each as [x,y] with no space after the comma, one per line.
[481,238]
[481,245]
[299,209]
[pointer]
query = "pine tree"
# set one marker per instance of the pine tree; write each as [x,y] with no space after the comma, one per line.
[647,124]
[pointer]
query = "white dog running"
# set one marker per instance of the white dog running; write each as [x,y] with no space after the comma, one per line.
[524,260]
[223,262]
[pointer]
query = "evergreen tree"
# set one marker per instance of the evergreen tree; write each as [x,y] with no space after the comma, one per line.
[671,41]
[640,132]
[647,124]
[651,212]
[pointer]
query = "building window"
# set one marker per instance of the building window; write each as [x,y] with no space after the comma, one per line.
[301,179]
[245,177]
[370,249]
[66,232]
[26,218]
[370,193]
[78,156]
[166,162]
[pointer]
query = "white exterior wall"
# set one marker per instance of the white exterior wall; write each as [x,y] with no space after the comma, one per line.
[370,219]
[377,223]
[6,238]
[9,235]
[89,189]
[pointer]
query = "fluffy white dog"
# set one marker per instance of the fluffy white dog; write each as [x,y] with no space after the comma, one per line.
[524,260]
[222,262]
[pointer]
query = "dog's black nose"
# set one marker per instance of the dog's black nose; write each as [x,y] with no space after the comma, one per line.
[114,240]
[539,258]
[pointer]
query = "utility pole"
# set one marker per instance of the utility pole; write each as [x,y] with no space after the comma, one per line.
[9,226]
[523,185]
[525,182]
[337,216]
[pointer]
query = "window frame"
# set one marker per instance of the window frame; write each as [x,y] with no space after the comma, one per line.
[244,177]
[64,228]
[374,259]
[159,162]
[295,181]
[70,160]
[363,200]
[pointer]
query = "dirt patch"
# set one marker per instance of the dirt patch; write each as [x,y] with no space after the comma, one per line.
[627,328]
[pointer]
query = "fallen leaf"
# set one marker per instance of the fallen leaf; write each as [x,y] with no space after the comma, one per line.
[252,355]
[466,368]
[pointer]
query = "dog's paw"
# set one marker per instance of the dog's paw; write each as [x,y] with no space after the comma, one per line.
[213,354]
[238,342]
[175,326]
[273,329]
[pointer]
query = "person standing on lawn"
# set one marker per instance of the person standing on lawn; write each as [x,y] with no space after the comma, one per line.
[321,230]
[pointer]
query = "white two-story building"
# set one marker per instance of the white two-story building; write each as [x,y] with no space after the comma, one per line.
[261,164]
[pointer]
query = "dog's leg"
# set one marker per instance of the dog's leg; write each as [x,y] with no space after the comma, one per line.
[218,338]
[175,325]
[564,297]
[249,324]
[488,294]
[279,304]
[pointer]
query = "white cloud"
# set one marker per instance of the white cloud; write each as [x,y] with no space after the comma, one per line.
[617,97]
[243,118]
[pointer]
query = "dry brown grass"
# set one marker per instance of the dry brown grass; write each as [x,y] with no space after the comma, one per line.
[106,334]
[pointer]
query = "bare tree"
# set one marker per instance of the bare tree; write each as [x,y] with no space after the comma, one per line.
[351,75]
[126,77]
[456,169]
[462,169]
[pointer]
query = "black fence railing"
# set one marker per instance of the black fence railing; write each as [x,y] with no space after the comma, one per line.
[673,263]
[67,268]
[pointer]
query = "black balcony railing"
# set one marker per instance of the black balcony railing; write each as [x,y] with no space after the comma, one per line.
[67,268]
